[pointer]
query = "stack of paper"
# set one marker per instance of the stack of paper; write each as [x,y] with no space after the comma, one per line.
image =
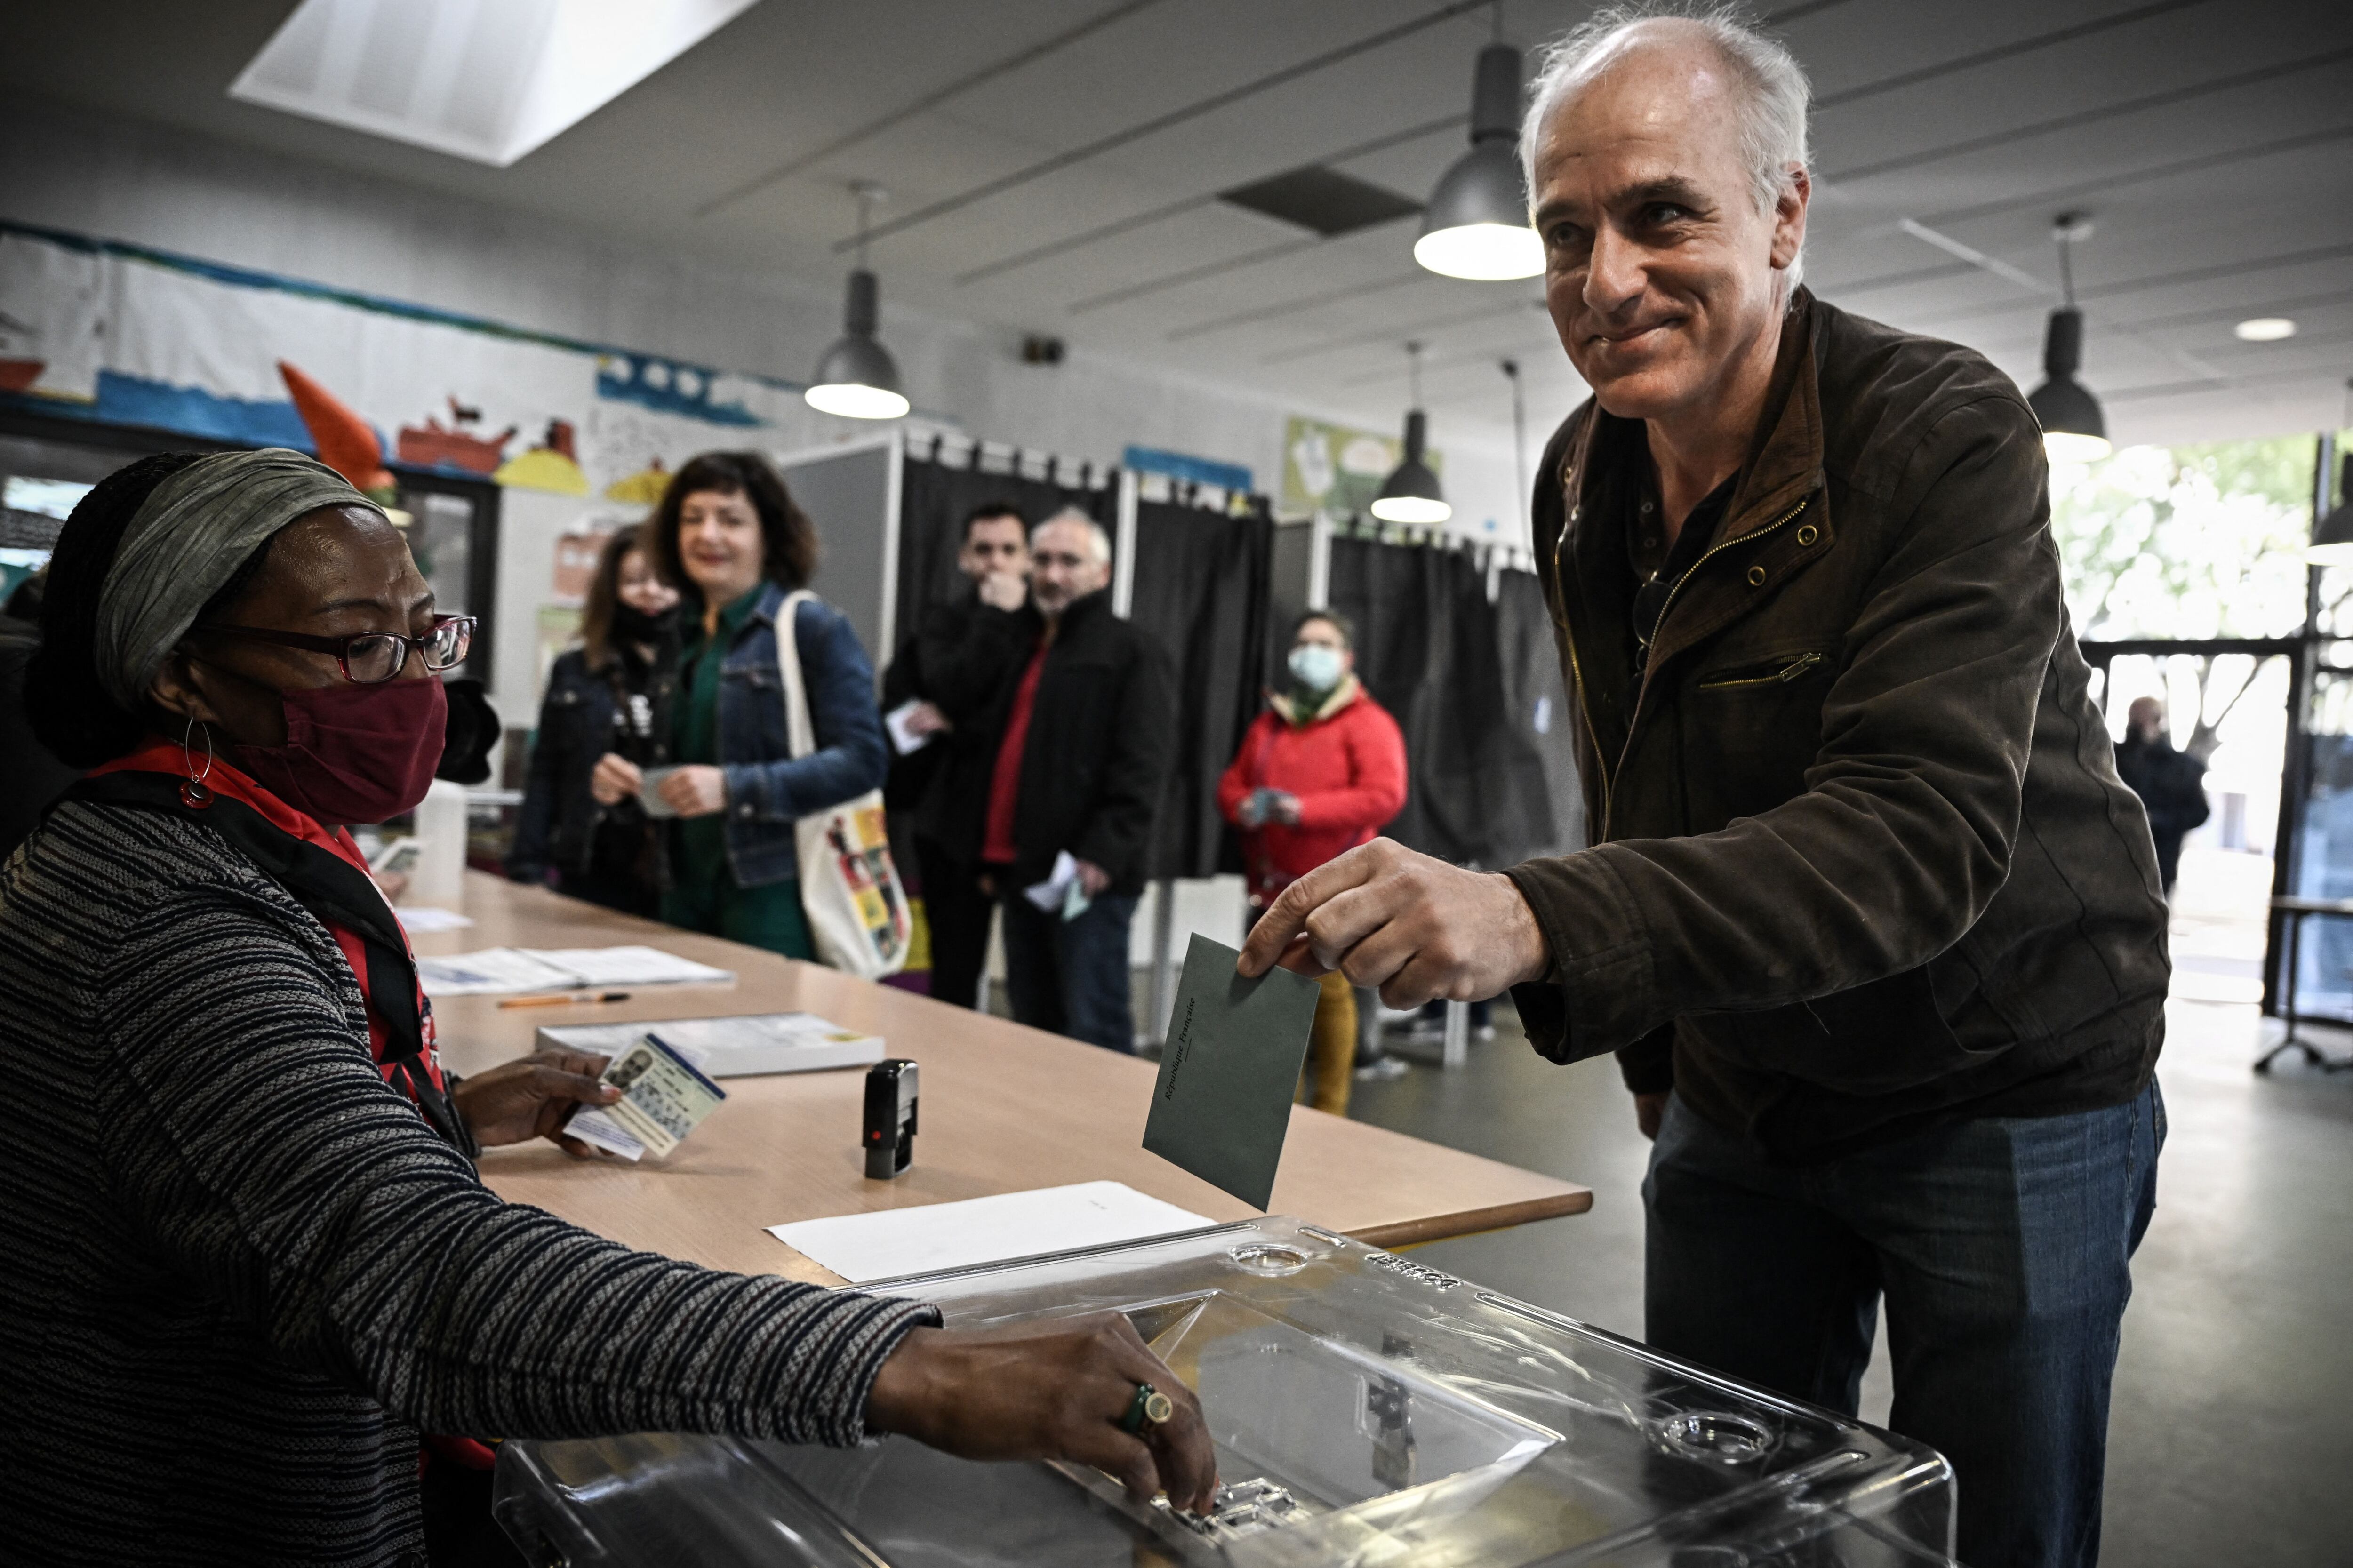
[497,970]
[731,1048]
[419,918]
[868,1247]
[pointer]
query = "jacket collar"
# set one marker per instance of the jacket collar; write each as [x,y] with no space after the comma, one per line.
[1339,697]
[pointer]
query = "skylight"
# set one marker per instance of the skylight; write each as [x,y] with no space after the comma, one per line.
[483,79]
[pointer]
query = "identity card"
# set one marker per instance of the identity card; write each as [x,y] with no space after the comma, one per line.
[663,1096]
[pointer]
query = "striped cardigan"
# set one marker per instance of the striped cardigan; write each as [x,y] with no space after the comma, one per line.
[239,1274]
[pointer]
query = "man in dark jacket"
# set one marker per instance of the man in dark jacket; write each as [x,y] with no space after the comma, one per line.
[1066,817]
[952,669]
[2171,784]
[1871,922]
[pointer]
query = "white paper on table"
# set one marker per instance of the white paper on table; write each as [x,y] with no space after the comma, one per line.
[901,738]
[601,966]
[491,972]
[501,971]
[862,1248]
[419,918]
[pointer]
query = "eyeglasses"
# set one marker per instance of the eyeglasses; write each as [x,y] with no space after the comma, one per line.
[372,658]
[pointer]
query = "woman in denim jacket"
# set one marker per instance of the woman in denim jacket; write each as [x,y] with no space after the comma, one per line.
[729,535]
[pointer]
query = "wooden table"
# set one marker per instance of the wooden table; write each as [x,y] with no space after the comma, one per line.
[1004,1109]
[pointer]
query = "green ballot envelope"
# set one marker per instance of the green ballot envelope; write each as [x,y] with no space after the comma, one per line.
[1223,1101]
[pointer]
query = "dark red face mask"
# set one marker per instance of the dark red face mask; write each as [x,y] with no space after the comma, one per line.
[355,753]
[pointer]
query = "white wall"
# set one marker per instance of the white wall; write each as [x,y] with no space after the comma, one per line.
[66,168]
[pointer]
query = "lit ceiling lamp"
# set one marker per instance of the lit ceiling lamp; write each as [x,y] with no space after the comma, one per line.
[2264,330]
[1476,225]
[2332,536]
[1410,493]
[2074,428]
[858,378]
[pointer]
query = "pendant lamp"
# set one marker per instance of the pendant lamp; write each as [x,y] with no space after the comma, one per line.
[858,378]
[2332,536]
[1476,225]
[1410,493]
[2074,428]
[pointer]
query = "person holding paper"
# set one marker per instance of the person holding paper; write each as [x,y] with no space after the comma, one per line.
[249,1258]
[1319,773]
[1870,920]
[603,722]
[945,677]
[731,536]
[1085,724]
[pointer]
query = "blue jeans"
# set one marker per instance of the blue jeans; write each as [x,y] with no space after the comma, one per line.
[2002,1247]
[1071,976]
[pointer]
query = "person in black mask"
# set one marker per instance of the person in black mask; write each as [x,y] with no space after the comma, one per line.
[603,704]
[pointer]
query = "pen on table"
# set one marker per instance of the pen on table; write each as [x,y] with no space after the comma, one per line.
[563,1001]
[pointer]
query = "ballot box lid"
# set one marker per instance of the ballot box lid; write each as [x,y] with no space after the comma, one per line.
[1366,1409]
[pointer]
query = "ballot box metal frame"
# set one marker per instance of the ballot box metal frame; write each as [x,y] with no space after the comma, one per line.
[1367,1409]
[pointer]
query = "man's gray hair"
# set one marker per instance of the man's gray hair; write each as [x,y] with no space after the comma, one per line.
[1097,541]
[1770,87]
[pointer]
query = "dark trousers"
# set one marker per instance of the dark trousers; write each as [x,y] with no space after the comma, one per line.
[957,912]
[1071,976]
[2002,1247]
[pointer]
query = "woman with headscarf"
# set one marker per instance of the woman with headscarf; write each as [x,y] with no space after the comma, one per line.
[249,1257]
[602,720]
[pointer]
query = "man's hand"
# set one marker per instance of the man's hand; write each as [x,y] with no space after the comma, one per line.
[925,719]
[1092,878]
[1054,1389]
[533,1096]
[1647,1109]
[696,790]
[1415,927]
[1283,808]
[615,779]
[1004,590]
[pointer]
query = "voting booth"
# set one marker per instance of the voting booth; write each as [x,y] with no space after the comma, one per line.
[1366,1409]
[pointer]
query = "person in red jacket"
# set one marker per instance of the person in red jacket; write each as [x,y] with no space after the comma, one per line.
[1319,773]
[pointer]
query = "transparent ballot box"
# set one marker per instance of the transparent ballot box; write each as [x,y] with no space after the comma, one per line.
[1368,1410]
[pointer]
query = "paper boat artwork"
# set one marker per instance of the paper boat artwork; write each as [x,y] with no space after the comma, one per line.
[550,466]
[453,445]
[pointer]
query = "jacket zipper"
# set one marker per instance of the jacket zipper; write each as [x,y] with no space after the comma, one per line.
[1576,679]
[1608,776]
[1787,672]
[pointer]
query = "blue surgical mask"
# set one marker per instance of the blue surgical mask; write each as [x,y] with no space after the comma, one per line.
[1315,666]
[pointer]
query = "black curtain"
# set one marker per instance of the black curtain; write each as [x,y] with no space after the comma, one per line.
[1456,673]
[934,496]
[1537,704]
[1202,590]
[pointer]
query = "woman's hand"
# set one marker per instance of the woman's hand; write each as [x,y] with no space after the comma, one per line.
[615,779]
[533,1096]
[695,790]
[1053,1390]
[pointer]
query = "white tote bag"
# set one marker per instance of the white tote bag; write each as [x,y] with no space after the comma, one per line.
[858,915]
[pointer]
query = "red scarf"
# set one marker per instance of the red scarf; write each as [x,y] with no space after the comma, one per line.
[227,782]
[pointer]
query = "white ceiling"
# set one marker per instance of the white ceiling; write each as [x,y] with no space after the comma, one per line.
[1051,165]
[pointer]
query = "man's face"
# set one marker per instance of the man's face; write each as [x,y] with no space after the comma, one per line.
[2146,717]
[1323,634]
[1659,269]
[1064,568]
[995,544]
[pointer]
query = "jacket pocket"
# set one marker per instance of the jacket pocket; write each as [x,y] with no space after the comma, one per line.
[1877,1039]
[1777,672]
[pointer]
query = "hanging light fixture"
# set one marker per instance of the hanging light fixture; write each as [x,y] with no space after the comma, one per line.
[1476,225]
[2332,536]
[1410,493]
[858,378]
[2074,428]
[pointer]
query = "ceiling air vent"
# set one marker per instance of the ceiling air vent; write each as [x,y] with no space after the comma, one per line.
[1322,201]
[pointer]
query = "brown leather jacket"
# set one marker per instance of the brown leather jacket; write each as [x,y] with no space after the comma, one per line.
[1862,860]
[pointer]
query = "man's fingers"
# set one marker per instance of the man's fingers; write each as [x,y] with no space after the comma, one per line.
[1287,916]
[554,1083]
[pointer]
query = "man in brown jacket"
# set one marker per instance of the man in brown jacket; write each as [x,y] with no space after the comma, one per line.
[1868,918]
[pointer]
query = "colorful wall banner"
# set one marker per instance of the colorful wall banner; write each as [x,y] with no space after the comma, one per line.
[125,334]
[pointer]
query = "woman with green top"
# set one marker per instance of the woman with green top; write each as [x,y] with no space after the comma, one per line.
[729,534]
